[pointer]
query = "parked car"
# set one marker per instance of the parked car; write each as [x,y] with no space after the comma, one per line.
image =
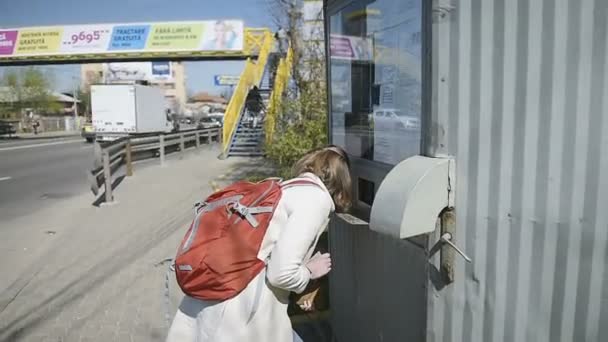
[219,116]
[7,128]
[208,122]
[395,116]
[88,132]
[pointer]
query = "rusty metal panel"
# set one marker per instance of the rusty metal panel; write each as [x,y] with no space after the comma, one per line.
[520,101]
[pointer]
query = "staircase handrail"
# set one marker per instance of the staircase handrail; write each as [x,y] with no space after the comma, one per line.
[276,97]
[236,103]
[254,40]
[252,75]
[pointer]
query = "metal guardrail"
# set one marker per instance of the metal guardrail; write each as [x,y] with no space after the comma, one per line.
[110,157]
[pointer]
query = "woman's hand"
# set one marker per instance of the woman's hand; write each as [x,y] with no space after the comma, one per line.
[307,305]
[307,301]
[319,265]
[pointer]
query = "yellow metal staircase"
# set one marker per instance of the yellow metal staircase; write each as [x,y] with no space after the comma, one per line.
[280,84]
[234,132]
[252,75]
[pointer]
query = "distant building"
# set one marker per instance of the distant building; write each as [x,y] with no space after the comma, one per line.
[170,76]
[66,100]
[204,103]
[207,98]
[312,27]
[311,36]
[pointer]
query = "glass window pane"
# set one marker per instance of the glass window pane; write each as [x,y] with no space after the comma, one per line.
[375,77]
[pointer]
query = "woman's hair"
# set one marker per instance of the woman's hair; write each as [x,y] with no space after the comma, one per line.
[332,166]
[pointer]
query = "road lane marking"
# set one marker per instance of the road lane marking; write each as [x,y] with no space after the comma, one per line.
[22,147]
[5,178]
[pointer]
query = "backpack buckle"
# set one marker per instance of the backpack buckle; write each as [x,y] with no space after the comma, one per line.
[198,206]
[239,208]
[245,212]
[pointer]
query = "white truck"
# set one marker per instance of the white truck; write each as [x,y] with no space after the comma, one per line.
[119,110]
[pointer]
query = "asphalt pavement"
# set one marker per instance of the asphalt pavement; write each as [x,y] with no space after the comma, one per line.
[74,272]
[36,172]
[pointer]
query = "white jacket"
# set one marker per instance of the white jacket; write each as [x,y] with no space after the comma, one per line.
[259,313]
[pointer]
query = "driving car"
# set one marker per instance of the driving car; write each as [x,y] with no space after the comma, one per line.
[88,132]
[7,128]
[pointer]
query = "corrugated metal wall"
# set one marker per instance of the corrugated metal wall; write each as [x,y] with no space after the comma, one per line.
[377,285]
[521,101]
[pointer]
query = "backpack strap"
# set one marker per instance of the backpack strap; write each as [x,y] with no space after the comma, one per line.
[299,182]
[210,206]
[248,212]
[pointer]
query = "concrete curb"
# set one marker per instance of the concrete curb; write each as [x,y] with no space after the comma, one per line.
[42,137]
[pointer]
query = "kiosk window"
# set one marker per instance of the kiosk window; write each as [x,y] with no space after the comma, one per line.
[375,77]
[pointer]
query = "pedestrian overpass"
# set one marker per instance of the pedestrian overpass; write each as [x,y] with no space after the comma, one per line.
[175,41]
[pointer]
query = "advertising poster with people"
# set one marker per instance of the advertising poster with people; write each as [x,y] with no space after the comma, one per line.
[199,36]
[223,35]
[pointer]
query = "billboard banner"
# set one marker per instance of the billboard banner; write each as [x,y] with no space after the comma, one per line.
[42,41]
[161,70]
[200,36]
[8,41]
[86,39]
[225,80]
[137,71]
[175,37]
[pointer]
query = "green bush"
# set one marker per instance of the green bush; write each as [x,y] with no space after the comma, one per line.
[301,126]
[295,142]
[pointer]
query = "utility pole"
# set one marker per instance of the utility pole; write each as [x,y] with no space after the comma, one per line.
[75,97]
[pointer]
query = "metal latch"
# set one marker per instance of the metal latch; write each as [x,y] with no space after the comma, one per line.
[447,238]
[447,221]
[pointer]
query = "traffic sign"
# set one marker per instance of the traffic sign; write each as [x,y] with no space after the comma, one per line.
[225,80]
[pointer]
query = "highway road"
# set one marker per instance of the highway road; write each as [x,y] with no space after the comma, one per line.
[36,172]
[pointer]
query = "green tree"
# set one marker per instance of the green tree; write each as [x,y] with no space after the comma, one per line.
[301,124]
[27,90]
[10,79]
[10,94]
[37,94]
[84,94]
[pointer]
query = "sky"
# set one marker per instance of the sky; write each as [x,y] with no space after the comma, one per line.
[22,13]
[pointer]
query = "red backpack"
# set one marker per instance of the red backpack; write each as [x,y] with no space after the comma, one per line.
[218,256]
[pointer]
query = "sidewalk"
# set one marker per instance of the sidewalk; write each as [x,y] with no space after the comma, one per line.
[45,135]
[73,272]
